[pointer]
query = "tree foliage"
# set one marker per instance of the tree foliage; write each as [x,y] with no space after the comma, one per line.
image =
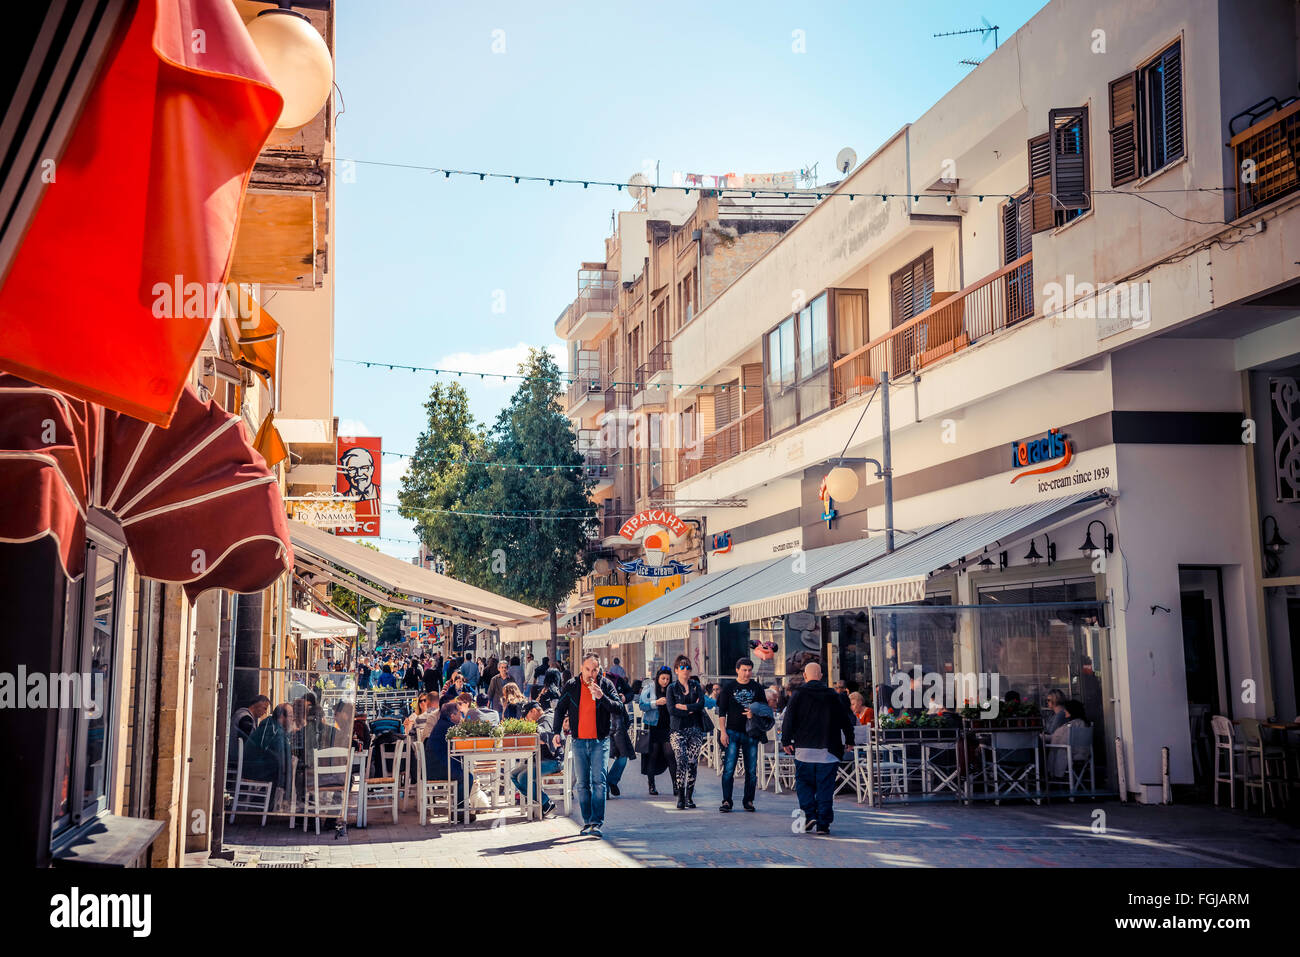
[533,560]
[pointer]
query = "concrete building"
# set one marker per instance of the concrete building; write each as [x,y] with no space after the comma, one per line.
[1058,268]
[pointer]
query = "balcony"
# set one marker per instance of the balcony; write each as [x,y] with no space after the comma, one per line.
[725,443]
[611,519]
[999,300]
[594,308]
[1272,145]
[585,395]
[564,321]
[618,396]
[594,460]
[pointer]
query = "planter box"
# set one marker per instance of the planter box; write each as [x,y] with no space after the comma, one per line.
[518,740]
[895,735]
[472,744]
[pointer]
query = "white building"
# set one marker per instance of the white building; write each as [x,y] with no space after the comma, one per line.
[1064,243]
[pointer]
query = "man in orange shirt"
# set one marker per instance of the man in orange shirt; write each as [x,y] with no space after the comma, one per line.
[589,701]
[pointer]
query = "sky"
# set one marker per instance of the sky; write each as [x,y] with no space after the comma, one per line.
[462,274]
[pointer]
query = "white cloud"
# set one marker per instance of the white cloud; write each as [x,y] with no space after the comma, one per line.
[497,362]
[394,469]
[350,428]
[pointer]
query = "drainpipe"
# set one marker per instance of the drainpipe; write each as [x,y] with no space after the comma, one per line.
[698,236]
[887,463]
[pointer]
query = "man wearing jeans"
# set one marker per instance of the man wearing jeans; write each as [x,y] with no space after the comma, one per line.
[589,701]
[549,762]
[815,729]
[733,708]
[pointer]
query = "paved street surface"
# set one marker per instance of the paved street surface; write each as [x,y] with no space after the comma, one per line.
[645,831]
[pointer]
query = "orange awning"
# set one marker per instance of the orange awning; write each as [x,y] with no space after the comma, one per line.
[254,335]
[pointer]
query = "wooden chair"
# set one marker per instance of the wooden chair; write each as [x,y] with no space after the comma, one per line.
[1269,759]
[1229,755]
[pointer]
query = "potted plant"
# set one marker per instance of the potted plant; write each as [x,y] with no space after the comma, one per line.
[473,736]
[517,733]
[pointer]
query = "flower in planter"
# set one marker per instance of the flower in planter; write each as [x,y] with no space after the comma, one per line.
[475,729]
[517,726]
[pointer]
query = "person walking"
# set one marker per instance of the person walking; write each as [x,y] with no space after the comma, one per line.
[658,724]
[469,668]
[497,686]
[686,715]
[589,701]
[617,669]
[620,743]
[431,677]
[515,672]
[815,729]
[733,709]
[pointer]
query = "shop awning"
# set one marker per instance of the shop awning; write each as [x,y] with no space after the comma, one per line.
[784,587]
[319,626]
[448,598]
[143,213]
[900,576]
[670,615]
[197,504]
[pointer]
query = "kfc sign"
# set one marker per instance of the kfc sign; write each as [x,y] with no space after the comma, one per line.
[358,480]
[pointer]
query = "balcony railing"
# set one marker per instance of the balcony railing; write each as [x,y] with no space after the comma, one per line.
[722,444]
[586,381]
[594,459]
[597,292]
[1271,147]
[995,302]
[618,396]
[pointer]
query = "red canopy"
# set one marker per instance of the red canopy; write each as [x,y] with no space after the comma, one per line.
[197,503]
[112,290]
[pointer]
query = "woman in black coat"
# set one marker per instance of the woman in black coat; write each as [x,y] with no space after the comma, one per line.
[654,706]
[686,710]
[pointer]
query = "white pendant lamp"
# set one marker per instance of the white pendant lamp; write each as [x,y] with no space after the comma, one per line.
[298,61]
[842,483]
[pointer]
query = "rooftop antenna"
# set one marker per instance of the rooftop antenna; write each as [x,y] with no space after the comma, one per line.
[983,30]
[972,61]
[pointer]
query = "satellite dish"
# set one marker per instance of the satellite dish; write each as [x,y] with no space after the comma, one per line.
[636,186]
[846,159]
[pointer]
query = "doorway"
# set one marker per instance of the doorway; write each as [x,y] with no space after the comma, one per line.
[1205,657]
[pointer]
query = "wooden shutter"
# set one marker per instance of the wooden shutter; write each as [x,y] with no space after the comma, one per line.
[911,289]
[1040,183]
[1025,227]
[1069,157]
[900,297]
[1010,231]
[1125,160]
[751,376]
[1172,64]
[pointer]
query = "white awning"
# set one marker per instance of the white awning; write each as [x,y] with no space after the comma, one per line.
[446,596]
[319,626]
[900,576]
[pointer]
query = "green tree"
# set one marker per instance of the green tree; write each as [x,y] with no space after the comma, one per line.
[536,560]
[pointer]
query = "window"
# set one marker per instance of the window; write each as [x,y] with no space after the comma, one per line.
[1058,169]
[85,736]
[911,288]
[1146,118]
[797,353]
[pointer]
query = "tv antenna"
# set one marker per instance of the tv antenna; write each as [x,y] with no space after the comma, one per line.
[846,159]
[972,61]
[983,30]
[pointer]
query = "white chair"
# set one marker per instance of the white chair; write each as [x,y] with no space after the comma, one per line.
[251,796]
[1074,758]
[1269,759]
[431,794]
[1229,752]
[562,779]
[328,763]
[712,753]
[937,774]
[386,787]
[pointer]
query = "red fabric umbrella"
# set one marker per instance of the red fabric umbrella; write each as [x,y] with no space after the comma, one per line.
[197,503]
[112,290]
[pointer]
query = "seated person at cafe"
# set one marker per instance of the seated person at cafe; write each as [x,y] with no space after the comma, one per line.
[438,764]
[249,717]
[453,688]
[550,758]
[1056,760]
[1058,715]
[266,754]
[485,711]
[858,705]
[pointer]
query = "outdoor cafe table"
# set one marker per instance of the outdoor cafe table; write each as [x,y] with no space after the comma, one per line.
[505,757]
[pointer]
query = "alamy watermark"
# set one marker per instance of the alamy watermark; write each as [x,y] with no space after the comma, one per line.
[1107,300]
[36,689]
[933,690]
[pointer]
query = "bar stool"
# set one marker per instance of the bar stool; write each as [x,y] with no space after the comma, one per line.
[1269,758]
[1226,749]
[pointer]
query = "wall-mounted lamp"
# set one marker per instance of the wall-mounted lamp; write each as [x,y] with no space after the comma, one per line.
[1273,546]
[1034,558]
[298,61]
[985,564]
[1002,561]
[1108,540]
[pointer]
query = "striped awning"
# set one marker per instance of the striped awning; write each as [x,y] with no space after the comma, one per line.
[900,577]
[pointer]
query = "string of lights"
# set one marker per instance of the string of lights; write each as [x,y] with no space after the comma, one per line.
[563,376]
[754,192]
[544,515]
[523,466]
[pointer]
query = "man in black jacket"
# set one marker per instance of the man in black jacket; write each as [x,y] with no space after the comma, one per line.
[733,709]
[589,701]
[815,730]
